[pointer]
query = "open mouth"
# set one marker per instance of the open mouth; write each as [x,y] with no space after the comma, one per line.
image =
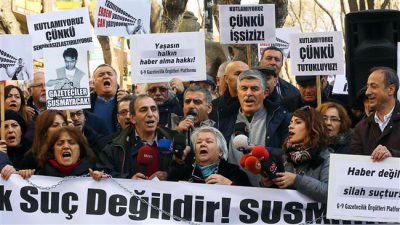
[151,123]
[11,138]
[203,151]
[291,133]
[66,155]
[12,105]
[107,83]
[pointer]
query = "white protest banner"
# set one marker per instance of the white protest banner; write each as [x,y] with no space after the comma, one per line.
[60,29]
[119,18]
[317,53]
[398,67]
[125,201]
[16,57]
[247,24]
[360,189]
[340,86]
[161,57]
[282,41]
[67,79]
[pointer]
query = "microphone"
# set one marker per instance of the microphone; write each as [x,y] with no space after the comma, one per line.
[241,140]
[178,145]
[165,146]
[144,158]
[191,114]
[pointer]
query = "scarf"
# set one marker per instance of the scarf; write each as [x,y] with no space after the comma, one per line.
[64,170]
[206,171]
[299,154]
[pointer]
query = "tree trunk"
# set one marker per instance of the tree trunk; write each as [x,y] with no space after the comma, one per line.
[172,11]
[370,4]
[281,10]
[8,22]
[362,5]
[353,5]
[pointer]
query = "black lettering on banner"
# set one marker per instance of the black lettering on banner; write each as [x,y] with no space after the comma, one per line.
[137,208]
[317,52]
[314,212]
[211,208]
[31,204]
[250,215]
[199,206]
[96,202]
[66,206]
[49,204]
[186,205]
[225,207]
[271,217]
[248,35]
[5,203]
[317,67]
[296,216]
[55,34]
[155,201]
[246,21]
[63,43]
[166,206]
[117,205]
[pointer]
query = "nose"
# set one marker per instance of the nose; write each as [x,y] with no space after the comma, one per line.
[368,91]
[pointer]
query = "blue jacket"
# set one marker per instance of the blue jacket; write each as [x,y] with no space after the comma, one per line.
[278,119]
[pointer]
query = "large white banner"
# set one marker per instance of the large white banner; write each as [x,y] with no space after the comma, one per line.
[317,54]
[247,24]
[67,79]
[16,62]
[360,189]
[60,29]
[119,18]
[125,201]
[161,57]
[282,41]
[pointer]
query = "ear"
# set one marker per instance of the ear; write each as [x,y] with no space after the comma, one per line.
[392,89]
[209,108]
[133,119]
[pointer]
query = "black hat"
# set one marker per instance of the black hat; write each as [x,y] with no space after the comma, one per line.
[12,115]
[266,70]
[306,80]
[210,80]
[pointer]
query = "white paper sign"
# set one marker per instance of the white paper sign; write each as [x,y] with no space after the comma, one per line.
[67,80]
[161,57]
[360,189]
[317,53]
[16,62]
[398,67]
[282,41]
[340,86]
[60,29]
[247,24]
[119,18]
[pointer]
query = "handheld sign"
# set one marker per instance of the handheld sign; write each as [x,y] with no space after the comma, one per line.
[60,29]
[247,24]
[16,63]
[282,41]
[316,53]
[118,18]
[67,80]
[161,57]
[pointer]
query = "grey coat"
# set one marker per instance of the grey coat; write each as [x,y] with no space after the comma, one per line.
[312,180]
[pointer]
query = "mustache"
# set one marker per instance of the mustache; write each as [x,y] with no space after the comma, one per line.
[246,98]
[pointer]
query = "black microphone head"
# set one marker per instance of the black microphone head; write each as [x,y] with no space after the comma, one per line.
[241,128]
[269,168]
[179,144]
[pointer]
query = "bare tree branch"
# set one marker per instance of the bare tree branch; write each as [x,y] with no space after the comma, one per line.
[342,13]
[296,16]
[328,13]
[385,4]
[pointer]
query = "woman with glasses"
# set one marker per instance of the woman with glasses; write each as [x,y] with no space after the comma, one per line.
[210,165]
[338,123]
[307,164]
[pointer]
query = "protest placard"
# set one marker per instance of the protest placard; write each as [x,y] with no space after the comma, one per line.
[247,24]
[340,86]
[360,189]
[282,41]
[161,57]
[16,57]
[119,18]
[316,53]
[60,29]
[398,67]
[126,201]
[67,79]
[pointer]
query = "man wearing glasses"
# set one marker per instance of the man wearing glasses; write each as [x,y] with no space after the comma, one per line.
[166,102]
[37,90]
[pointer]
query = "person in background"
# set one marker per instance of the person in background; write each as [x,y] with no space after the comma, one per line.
[210,164]
[208,84]
[105,96]
[338,123]
[307,166]
[14,99]
[221,84]
[37,100]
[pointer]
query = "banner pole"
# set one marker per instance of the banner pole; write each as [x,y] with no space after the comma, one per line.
[2,131]
[248,50]
[318,79]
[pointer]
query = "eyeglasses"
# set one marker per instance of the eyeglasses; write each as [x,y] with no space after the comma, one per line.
[41,85]
[333,119]
[77,113]
[123,112]
[160,89]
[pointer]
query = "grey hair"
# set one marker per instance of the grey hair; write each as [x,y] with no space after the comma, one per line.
[134,100]
[252,74]
[203,90]
[221,143]
[389,77]
[221,69]
[146,87]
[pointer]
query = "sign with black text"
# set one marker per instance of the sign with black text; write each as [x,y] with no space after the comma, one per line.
[316,53]
[247,24]
[282,41]
[60,29]
[360,189]
[161,57]
[16,63]
[119,18]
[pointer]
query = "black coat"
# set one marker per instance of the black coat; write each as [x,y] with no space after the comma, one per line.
[81,169]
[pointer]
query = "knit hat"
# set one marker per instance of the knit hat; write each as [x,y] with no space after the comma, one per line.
[12,115]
